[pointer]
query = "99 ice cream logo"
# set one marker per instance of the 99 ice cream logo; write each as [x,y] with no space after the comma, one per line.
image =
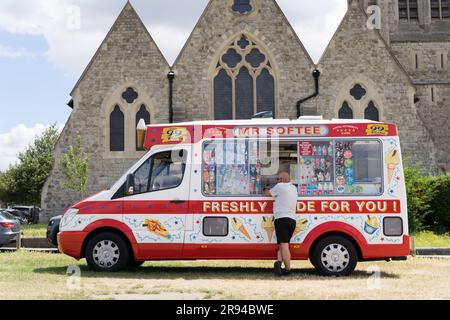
[174,135]
[377,130]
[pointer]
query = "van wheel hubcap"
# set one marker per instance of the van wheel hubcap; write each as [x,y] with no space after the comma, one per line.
[106,253]
[335,257]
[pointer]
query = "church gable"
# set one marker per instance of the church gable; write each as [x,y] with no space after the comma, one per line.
[128,47]
[241,55]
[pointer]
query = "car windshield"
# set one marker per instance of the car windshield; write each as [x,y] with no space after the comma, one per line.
[7,215]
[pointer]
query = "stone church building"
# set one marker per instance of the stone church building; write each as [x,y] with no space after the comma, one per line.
[243,56]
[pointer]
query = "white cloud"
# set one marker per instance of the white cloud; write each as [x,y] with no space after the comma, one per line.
[74,29]
[17,140]
[15,53]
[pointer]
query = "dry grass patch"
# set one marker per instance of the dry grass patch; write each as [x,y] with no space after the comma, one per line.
[28,275]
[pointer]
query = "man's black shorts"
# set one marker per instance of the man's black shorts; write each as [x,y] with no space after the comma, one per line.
[284,229]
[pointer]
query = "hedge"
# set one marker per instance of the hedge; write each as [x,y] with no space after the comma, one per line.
[428,200]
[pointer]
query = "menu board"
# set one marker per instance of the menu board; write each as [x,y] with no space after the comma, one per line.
[316,168]
[238,172]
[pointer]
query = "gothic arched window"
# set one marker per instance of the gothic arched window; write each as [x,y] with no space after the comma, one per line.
[244,83]
[345,112]
[241,6]
[142,114]
[116,130]
[371,112]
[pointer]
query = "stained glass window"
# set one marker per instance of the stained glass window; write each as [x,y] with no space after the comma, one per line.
[244,95]
[242,6]
[265,92]
[345,112]
[130,95]
[371,112]
[358,92]
[117,130]
[244,83]
[223,96]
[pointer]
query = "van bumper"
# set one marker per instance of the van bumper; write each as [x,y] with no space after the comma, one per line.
[71,243]
[384,251]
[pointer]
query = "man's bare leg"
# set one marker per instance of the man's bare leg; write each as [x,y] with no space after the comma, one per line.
[286,255]
[279,255]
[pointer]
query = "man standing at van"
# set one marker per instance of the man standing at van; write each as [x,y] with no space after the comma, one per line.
[284,209]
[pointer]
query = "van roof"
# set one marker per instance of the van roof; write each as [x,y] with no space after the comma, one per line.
[265,121]
[196,131]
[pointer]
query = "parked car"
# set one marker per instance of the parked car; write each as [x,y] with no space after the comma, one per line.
[31,213]
[9,228]
[53,229]
[20,215]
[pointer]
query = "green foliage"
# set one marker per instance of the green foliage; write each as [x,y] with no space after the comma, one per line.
[439,219]
[75,165]
[419,197]
[22,183]
[428,200]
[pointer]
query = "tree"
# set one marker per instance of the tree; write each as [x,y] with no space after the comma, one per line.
[75,164]
[22,183]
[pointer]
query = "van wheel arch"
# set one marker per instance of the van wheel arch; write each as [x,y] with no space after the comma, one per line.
[107,229]
[335,233]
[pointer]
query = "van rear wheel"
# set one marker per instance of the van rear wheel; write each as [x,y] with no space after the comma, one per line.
[107,252]
[334,256]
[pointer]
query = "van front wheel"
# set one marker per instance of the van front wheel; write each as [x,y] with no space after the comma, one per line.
[107,252]
[334,256]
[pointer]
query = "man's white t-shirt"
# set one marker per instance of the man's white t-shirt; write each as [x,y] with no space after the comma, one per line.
[285,205]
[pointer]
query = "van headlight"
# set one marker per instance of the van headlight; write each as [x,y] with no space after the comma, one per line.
[67,218]
[393,226]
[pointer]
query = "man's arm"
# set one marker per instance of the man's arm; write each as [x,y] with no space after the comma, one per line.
[267,192]
[271,192]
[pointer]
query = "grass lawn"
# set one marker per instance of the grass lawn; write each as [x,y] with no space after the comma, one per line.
[430,239]
[26,275]
[34,230]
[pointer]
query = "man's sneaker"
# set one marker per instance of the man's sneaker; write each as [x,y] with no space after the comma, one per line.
[277,268]
[285,272]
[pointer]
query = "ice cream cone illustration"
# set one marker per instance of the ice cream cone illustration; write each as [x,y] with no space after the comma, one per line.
[141,129]
[156,227]
[301,226]
[269,226]
[239,227]
[392,161]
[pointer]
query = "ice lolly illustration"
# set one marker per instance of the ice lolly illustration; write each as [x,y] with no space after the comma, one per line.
[156,227]
[301,225]
[269,226]
[392,161]
[239,227]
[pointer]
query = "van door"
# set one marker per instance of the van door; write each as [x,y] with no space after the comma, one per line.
[156,211]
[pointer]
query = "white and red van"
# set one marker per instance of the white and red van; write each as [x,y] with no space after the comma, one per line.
[198,194]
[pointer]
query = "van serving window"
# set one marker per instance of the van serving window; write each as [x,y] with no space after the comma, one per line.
[317,167]
[162,171]
[245,167]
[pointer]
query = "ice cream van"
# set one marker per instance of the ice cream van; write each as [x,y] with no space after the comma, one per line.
[198,194]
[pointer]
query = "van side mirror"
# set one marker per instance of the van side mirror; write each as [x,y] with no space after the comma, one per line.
[129,185]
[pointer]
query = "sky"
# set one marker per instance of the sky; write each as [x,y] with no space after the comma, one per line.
[46,44]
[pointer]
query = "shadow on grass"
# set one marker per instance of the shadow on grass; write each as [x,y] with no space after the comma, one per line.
[195,273]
